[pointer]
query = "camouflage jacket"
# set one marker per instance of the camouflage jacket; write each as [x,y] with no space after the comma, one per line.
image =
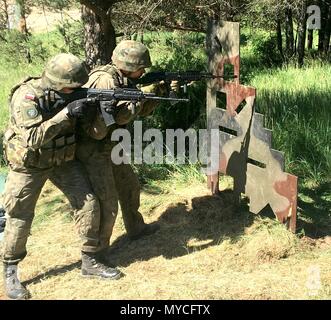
[110,77]
[35,138]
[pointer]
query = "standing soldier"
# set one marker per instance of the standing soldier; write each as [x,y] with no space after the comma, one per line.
[40,145]
[129,60]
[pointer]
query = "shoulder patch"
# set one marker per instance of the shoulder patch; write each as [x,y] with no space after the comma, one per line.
[30,96]
[31,113]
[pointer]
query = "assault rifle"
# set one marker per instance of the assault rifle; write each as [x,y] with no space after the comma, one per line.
[107,99]
[183,77]
[2,219]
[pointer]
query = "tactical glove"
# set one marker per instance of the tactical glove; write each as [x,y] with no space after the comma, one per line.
[2,224]
[2,219]
[78,109]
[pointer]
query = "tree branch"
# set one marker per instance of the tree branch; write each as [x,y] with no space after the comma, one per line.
[163,23]
[128,14]
[3,39]
[178,27]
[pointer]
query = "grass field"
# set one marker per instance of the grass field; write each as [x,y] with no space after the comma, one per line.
[297,107]
[206,249]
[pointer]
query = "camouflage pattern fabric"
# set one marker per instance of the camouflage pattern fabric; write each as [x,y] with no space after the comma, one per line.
[22,191]
[131,55]
[95,156]
[110,76]
[40,146]
[65,70]
[128,188]
[31,142]
[113,177]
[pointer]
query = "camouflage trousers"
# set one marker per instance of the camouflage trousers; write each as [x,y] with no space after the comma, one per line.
[21,193]
[128,188]
[100,175]
[111,183]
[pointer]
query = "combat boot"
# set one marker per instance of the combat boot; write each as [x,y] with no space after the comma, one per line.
[93,266]
[13,287]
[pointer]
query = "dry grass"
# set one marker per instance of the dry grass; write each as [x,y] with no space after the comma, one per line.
[206,249]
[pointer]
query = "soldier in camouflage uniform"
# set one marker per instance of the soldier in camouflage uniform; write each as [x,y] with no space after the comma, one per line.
[39,145]
[129,60]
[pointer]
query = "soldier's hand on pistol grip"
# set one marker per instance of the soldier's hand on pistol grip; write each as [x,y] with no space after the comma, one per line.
[174,86]
[160,88]
[80,109]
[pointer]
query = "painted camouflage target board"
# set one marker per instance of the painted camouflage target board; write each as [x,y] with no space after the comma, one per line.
[246,152]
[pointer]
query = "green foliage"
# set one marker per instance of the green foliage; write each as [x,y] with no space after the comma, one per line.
[179,51]
[296,105]
[71,33]
[264,49]
[54,206]
[295,102]
[16,46]
[181,174]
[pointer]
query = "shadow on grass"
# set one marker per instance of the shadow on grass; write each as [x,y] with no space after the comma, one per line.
[314,215]
[53,272]
[210,219]
[185,229]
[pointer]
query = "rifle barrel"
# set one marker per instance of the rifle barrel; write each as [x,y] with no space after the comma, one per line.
[166,99]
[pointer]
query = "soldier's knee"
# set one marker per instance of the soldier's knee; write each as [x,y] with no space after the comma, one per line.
[84,201]
[88,217]
[92,204]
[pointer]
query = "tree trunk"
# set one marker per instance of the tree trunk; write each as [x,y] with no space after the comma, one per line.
[327,31]
[109,34]
[99,36]
[289,32]
[279,38]
[302,33]
[320,40]
[22,27]
[5,9]
[321,32]
[310,39]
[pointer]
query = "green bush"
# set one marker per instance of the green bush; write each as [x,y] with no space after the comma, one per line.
[16,46]
[264,49]
[178,51]
[294,101]
[71,33]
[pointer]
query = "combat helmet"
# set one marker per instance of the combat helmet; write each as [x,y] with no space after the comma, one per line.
[131,55]
[64,71]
